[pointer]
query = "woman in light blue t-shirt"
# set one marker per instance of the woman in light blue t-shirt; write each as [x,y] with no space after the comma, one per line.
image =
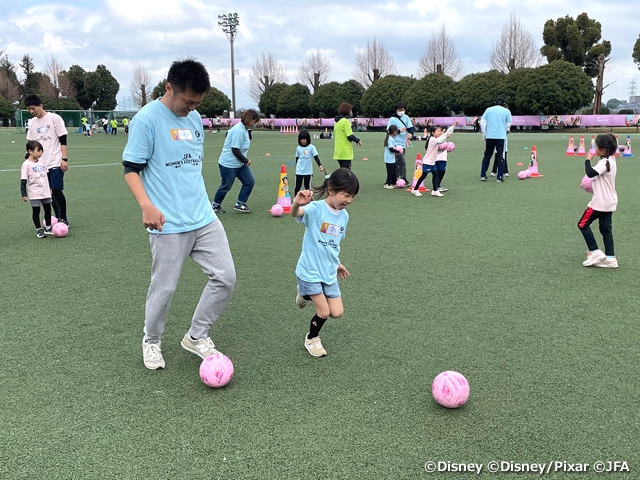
[234,163]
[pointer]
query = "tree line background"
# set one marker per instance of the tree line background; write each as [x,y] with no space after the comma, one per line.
[574,51]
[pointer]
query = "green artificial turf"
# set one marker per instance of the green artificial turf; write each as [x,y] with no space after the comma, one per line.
[487,281]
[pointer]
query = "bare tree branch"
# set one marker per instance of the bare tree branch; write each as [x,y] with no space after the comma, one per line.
[266,71]
[516,47]
[55,82]
[441,56]
[140,86]
[373,62]
[8,88]
[314,71]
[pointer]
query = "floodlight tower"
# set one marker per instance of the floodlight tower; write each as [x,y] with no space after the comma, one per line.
[229,23]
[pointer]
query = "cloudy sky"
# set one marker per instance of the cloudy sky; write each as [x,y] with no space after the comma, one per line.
[123,34]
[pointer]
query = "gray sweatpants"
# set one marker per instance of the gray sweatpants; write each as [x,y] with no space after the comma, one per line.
[207,246]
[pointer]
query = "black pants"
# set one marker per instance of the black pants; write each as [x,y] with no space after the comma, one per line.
[588,217]
[391,174]
[345,164]
[401,167]
[496,162]
[492,144]
[299,179]
[35,215]
[434,179]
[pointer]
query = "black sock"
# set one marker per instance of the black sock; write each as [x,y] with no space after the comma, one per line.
[315,326]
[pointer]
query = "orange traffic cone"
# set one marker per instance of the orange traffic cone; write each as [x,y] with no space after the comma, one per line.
[284,198]
[570,147]
[417,173]
[533,163]
[581,150]
[592,145]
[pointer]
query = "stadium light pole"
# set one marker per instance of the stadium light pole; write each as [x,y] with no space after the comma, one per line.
[229,23]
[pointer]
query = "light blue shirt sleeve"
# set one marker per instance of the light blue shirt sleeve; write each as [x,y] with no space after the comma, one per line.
[237,137]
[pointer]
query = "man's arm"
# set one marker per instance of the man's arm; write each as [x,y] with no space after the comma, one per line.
[152,218]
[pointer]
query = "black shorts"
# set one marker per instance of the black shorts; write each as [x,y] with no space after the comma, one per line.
[56,178]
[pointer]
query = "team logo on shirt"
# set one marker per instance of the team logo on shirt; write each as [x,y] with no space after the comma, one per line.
[181,134]
[331,229]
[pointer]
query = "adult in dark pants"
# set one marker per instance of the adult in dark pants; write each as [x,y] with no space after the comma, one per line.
[405,133]
[495,123]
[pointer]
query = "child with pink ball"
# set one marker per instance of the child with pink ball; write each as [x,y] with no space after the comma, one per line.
[33,177]
[603,203]
[438,135]
[391,152]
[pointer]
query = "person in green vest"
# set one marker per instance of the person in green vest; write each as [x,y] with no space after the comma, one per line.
[125,124]
[85,125]
[343,150]
[114,126]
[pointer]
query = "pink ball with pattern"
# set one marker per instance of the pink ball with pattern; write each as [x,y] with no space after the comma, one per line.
[54,220]
[450,389]
[587,184]
[277,210]
[450,146]
[60,230]
[216,370]
[401,183]
[399,149]
[522,174]
[527,173]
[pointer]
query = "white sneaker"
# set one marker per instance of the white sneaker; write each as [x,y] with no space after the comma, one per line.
[416,193]
[314,346]
[202,347]
[593,258]
[152,356]
[300,301]
[443,189]
[493,174]
[506,174]
[436,193]
[389,187]
[607,263]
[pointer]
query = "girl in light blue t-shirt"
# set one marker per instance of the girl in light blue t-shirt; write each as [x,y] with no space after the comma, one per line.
[304,154]
[319,267]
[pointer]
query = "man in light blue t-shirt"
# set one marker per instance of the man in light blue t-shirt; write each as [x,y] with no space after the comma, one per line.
[495,125]
[163,168]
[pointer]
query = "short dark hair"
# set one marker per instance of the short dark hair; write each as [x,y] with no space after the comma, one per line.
[188,74]
[344,108]
[500,100]
[32,101]
[304,134]
[400,105]
[249,116]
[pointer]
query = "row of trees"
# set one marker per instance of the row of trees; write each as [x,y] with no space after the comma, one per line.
[559,87]
[72,89]
[577,41]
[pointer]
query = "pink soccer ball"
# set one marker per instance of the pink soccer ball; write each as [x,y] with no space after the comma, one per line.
[54,220]
[450,146]
[527,173]
[277,210]
[60,230]
[399,149]
[450,389]
[522,174]
[442,147]
[587,184]
[216,370]
[401,183]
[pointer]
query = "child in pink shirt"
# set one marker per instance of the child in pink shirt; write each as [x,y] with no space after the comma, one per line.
[33,177]
[603,203]
[438,136]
